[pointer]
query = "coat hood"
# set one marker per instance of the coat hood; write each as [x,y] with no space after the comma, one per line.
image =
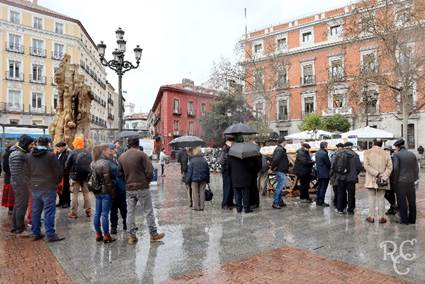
[39,151]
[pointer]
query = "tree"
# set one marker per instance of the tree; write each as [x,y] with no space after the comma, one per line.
[336,122]
[311,121]
[397,27]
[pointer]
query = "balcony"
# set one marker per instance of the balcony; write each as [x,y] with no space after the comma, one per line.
[13,108]
[57,55]
[191,113]
[339,110]
[15,47]
[40,52]
[13,76]
[41,109]
[339,76]
[282,85]
[177,111]
[37,79]
[308,80]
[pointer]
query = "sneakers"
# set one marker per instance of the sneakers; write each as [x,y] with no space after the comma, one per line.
[72,215]
[56,238]
[157,237]
[108,239]
[99,237]
[132,239]
[275,206]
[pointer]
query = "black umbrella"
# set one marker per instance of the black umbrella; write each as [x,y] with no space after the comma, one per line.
[187,141]
[239,128]
[244,150]
[128,133]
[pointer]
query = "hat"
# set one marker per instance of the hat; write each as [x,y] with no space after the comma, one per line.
[25,141]
[111,146]
[61,144]
[323,144]
[348,144]
[306,145]
[399,143]
[339,145]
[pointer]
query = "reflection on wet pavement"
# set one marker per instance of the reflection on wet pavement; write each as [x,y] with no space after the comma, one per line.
[199,241]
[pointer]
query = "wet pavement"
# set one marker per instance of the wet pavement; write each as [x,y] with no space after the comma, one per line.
[300,243]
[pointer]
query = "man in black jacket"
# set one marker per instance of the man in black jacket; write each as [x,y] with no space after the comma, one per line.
[228,193]
[65,196]
[280,165]
[18,164]
[45,173]
[406,173]
[347,179]
[302,168]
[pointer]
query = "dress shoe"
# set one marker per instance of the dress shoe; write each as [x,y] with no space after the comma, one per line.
[382,220]
[239,210]
[282,203]
[248,211]
[56,238]
[108,239]
[157,237]
[114,231]
[275,206]
[99,237]
[37,237]
[340,212]
[370,219]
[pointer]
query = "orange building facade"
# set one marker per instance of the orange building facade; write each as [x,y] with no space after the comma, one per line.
[304,66]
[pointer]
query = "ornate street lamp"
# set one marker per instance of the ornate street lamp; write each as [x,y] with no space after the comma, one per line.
[119,65]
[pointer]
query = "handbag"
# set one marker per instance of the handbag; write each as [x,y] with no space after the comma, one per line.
[381,182]
[208,193]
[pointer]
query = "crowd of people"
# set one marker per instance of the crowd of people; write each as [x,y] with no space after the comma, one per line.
[35,174]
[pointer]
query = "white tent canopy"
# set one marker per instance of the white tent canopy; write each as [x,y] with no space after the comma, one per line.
[367,133]
[308,135]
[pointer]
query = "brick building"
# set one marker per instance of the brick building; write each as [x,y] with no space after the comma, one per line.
[178,109]
[305,65]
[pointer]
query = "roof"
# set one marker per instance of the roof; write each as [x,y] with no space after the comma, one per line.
[184,89]
[34,7]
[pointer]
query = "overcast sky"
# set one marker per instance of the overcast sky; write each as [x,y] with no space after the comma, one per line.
[180,38]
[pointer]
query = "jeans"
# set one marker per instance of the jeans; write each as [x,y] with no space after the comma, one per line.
[103,206]
[322,186]
[144,197]
[119,203]
[406,199]
[279,187]
[346,196]
[242,198]
[21,204]
[304,187]
[227,191]
[44,200]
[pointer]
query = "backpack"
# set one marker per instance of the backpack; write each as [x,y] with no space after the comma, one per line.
[341,164]
[82,163]
[94,183]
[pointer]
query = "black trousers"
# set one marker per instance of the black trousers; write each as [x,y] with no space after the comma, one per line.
[254,194]
[390,195]
[346,196]
[406,198]
[65,197]
[304,186]
[119,203]
[162,169]
[242,198]
[335,200]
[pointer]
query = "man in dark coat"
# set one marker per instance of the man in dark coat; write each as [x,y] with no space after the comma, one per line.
[302,168]
[280,165]
[406,173]
[228,194]
[332,174]
[19,177]
[62,155]
[183,160]
[323,167]
[390,194]
[347,180]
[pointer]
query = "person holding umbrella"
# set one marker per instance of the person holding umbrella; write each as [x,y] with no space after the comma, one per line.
[228,193]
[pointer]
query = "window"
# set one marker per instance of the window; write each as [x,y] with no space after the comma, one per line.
[258,80]
[38,23]
[15,43]
[37,73]
[59,28]
[37,47]
[15,17]
[58,51]
[203,109]
[308,76]
[15,70]
[283,109]
[337,70]
[191,128]
[37,102]
[258,48]
[308,105]
[190,110]
[371,102]
[338,100]
[369,63]
[411,136]
[55,101]
[283,133]
[282,44]
[335,30]
[14,102]
[176,127]
[176,106]
[282,78]
[259,110]
[307,37]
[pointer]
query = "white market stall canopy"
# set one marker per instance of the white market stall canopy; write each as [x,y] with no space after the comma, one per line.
[368,133]
[309,135]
